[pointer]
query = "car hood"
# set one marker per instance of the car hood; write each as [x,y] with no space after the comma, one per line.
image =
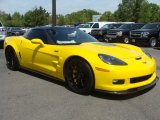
[145,30]
[101,29]
[122,51]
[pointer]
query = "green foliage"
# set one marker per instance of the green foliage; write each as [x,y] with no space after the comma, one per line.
[128,10]
[37,17]
[78,17]
[137,11]
[107,16]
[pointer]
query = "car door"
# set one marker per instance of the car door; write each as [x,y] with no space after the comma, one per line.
[43,58]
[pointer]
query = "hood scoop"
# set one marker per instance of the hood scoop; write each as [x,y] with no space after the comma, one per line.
[138,58]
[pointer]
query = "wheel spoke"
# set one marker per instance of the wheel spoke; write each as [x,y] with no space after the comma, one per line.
[11,60]
[79,76]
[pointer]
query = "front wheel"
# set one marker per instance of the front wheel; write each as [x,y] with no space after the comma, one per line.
[126,40]
[11,59]
[153,42]
[79,76]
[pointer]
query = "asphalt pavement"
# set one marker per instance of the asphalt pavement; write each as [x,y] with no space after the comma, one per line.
[28,96]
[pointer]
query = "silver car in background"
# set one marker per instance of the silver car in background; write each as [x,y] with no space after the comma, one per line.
[3,33]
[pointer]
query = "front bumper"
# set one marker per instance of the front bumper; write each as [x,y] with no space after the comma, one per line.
[133,90]
[135,75]
[98,36]
[112,38]
[140,40]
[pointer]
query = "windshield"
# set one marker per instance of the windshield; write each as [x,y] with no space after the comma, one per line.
[81,26]
[150,26]
[16,28]
[111,26]
[106,26]
[69,36]
[87,25]
[126,26]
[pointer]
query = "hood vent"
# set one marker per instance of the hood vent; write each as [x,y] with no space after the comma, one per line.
[138,58]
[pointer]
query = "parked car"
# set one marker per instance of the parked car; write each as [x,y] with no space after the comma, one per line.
[80,26]
[2,34]
[78,59]
[15,31]
[101,33]
[122,33]
[148,34]
[93,25]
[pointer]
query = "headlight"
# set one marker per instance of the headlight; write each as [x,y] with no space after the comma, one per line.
[120,33]
[145,34]
[148,54]
[111,60]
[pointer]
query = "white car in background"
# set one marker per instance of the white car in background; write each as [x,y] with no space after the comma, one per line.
[3,33]
[93,25]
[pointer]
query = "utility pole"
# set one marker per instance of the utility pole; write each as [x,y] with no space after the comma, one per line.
[54,19]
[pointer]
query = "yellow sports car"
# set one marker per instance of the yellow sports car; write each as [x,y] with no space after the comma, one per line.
[81,61]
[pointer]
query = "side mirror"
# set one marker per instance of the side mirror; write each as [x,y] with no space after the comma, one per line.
[37,41]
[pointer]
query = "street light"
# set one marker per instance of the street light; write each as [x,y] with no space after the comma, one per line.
[53,12]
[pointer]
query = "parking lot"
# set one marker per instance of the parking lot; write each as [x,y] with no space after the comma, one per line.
[28,96]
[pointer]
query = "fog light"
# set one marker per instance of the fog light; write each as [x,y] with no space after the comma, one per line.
[120,81]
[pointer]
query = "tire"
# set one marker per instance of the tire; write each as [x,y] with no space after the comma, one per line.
[153,42]
[126,40]
[11,59]
[79,76]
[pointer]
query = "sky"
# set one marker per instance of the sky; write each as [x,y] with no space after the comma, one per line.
[63,6]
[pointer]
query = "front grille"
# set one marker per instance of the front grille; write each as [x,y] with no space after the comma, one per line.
[112,32]
[94,32]
[135,34]
[140,79]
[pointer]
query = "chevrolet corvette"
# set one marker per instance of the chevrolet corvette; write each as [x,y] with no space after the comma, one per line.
[78,59]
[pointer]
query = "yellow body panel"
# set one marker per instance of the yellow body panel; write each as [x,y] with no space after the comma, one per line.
[50,59]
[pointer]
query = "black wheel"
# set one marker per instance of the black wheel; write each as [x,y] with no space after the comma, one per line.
[126,40]
[153,42]
[11,59]
[79,76]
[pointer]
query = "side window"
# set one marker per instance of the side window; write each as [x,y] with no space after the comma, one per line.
[96,25]
[134,27]
[37,33]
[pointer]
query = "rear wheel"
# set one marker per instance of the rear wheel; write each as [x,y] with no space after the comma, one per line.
[79,76]
[153,42]
[11,59]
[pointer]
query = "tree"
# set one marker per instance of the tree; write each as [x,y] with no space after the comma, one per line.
[82,16]
[4,17]
[149,13]
[129,10]
[61,20]
[36,17]
[17,19]
[107,16]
